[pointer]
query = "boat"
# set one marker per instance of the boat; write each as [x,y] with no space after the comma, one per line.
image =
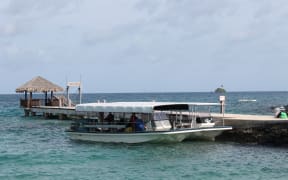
[142,122]
[247,100]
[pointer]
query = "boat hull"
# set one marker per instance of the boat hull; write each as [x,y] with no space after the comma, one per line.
[149,137]
[207,133]
[129,137]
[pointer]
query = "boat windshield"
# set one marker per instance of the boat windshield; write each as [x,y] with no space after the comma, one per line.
[158,116]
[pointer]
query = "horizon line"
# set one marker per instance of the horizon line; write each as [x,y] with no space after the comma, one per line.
[144,92]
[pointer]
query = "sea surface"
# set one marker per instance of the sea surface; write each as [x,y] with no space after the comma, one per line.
[37,148]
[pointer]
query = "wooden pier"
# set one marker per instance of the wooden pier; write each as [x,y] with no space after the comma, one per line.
[246,121]
[259,129]
[60,113]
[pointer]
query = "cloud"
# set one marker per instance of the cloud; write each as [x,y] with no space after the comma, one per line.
[21,17]
[10,53]
[8,29]
[237,19]
[34,7]
[165,31]
[176,38]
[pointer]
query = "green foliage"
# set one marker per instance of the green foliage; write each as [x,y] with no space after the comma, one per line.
[220,90]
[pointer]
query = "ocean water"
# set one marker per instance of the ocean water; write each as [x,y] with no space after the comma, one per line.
[35,148]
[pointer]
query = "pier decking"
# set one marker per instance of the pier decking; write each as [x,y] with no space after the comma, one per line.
[247,121]
[59,112]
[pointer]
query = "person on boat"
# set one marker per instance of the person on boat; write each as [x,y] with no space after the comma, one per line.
[139,125]
[101,117]
[109,118]
[132,122]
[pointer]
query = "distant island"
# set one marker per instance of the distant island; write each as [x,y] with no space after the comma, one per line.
[220,90]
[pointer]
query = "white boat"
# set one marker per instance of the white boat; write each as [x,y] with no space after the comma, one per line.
[140,122]
[247,100]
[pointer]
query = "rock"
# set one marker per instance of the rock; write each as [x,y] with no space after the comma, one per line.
[220,90]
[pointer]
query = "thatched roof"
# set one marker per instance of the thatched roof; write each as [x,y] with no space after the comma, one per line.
[39,84]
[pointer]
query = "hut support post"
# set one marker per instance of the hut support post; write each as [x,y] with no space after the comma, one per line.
[46,99]
[27,112]
[26,96]
[30,100]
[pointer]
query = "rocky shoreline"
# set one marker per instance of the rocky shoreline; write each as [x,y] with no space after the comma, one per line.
[275,135]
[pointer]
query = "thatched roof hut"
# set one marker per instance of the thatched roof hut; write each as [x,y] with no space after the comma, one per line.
[39,84]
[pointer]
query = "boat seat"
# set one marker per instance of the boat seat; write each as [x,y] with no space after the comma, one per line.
[162,125]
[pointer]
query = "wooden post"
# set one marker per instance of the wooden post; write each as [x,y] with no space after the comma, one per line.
[27,112]
[68,98]
[46,98]
[25,104]
[26,96]
[60,102]
[30,100]
[222,108]
[222,102]
[62,116]
[51,99]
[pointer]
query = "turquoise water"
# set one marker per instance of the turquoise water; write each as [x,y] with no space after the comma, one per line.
[34,148]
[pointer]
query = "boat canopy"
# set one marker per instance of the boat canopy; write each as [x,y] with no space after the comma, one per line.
[139,107]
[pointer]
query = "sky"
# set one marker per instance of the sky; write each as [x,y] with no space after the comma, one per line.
[145,45]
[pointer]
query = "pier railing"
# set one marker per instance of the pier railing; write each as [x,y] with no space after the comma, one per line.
[29,103]
[38,102]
